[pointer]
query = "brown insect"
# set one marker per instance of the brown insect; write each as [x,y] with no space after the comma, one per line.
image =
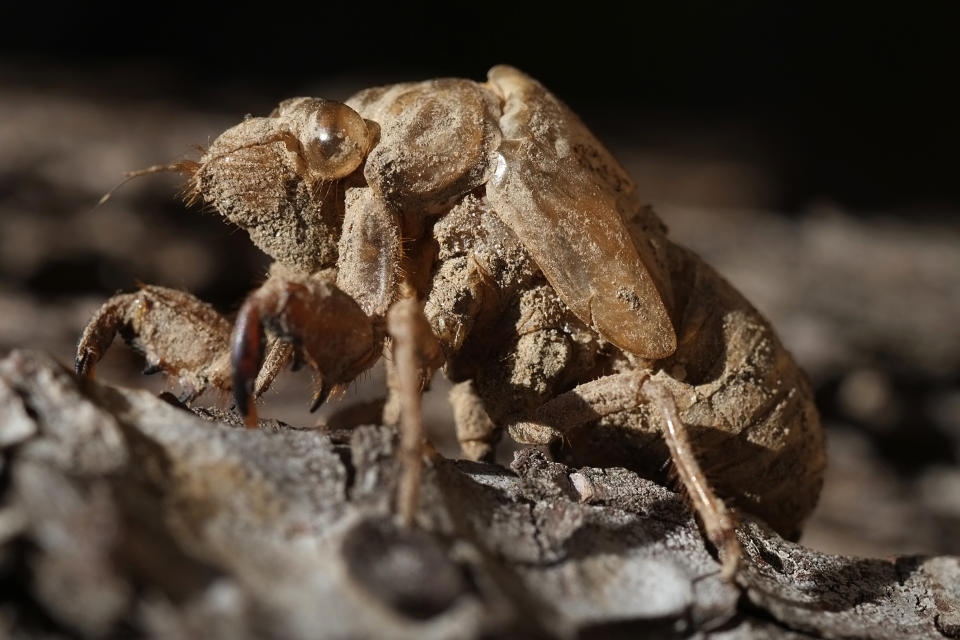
[481,228]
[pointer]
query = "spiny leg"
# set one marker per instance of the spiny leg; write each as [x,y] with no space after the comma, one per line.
[625,392]
[279,353]
[176,332]
[417,354]
[324,325]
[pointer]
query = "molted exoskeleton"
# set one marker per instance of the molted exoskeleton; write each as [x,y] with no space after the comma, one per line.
[553,298]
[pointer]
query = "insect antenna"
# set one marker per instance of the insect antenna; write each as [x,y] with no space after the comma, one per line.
[188,167]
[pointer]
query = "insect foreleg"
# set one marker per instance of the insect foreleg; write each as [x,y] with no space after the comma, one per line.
[176,332]
[324,325]
[416,355]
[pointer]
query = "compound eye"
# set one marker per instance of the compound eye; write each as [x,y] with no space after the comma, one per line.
[334,137]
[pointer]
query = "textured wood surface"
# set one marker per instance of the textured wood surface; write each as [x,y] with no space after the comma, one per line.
[125,515]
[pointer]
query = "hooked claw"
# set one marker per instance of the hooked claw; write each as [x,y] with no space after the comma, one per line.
[326,327]
[246,356]
[321,396]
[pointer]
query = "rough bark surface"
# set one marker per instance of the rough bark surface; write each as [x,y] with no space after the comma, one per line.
[125,515]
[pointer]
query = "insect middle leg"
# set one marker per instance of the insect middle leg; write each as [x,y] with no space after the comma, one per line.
[476,432]
[624,392]
[416,355]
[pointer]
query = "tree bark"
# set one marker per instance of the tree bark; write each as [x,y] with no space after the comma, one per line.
[126,515]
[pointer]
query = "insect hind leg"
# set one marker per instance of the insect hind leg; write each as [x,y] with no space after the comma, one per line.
[718,521]
[625,392]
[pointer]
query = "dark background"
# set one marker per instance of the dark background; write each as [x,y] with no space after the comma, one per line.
[807,151]
[846,101]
